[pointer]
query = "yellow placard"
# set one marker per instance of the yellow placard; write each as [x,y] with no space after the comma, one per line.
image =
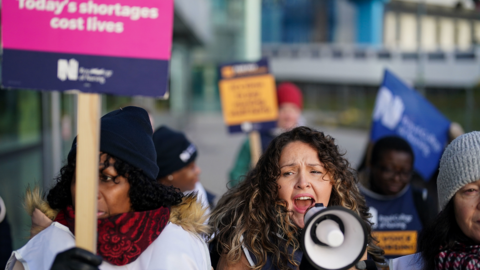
[249,99]
[397,242]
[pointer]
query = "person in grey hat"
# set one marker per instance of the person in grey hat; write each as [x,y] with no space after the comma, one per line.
[453,241]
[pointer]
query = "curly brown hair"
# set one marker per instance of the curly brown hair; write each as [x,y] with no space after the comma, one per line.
[254,210]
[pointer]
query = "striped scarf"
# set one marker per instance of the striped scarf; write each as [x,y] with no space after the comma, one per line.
[459,257]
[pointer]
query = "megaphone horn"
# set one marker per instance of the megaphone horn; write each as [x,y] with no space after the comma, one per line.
[328,230]
[334,238]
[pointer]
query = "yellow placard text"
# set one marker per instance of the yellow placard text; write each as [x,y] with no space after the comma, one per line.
[249,99]
[397,242]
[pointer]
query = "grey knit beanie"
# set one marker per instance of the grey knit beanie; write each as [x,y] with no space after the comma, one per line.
[459,166]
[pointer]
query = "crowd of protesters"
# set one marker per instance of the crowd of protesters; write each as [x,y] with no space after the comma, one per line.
[153,212]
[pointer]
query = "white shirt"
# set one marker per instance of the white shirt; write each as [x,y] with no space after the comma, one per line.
[174,249]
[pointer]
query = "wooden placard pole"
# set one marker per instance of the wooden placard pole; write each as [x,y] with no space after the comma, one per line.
[255,147]
[88,149]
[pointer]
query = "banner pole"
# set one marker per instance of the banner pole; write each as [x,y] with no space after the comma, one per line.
[255,147]
[88,149]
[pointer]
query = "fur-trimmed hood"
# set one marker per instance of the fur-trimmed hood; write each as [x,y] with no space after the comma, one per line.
[189,214]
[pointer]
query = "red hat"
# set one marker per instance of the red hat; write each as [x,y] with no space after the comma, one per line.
[288,92]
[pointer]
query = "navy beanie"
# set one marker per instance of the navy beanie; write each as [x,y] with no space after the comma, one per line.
[127,135]
[174,150]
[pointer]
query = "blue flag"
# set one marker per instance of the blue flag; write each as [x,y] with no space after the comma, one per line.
[401,111]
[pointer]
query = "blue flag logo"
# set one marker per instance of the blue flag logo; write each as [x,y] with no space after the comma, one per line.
[401,111]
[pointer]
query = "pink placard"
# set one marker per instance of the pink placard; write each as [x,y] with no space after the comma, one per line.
[122,28]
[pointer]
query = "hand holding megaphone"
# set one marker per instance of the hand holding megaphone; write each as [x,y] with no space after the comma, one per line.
[333,238]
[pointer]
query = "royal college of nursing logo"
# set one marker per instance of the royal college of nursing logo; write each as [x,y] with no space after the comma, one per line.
[71,70]
[390,112]
[388,108]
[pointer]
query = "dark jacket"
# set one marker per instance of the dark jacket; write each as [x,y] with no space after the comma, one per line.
[5,243]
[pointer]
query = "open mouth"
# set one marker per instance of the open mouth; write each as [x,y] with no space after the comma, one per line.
[302,202]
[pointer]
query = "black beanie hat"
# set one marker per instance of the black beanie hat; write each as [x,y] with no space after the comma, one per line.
[174,150]
[127,134]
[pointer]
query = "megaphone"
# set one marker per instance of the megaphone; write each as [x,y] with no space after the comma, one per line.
[334,238]
[3,210]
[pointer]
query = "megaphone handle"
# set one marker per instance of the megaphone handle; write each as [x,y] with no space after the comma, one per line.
[305,264]
[366,265]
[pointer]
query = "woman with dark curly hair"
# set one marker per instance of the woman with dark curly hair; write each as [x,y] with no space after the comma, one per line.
[142,224]
[257,223]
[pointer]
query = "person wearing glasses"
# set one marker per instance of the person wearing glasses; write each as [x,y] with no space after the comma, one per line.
[399,210]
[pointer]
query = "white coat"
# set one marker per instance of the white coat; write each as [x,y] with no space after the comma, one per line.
[174,249]
[179,245]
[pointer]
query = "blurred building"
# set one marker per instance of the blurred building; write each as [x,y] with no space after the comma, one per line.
[337,51]
[231,41]
[446,24]
[431,26]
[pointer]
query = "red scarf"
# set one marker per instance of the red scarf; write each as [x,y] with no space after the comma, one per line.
[459,257]
[122,238]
